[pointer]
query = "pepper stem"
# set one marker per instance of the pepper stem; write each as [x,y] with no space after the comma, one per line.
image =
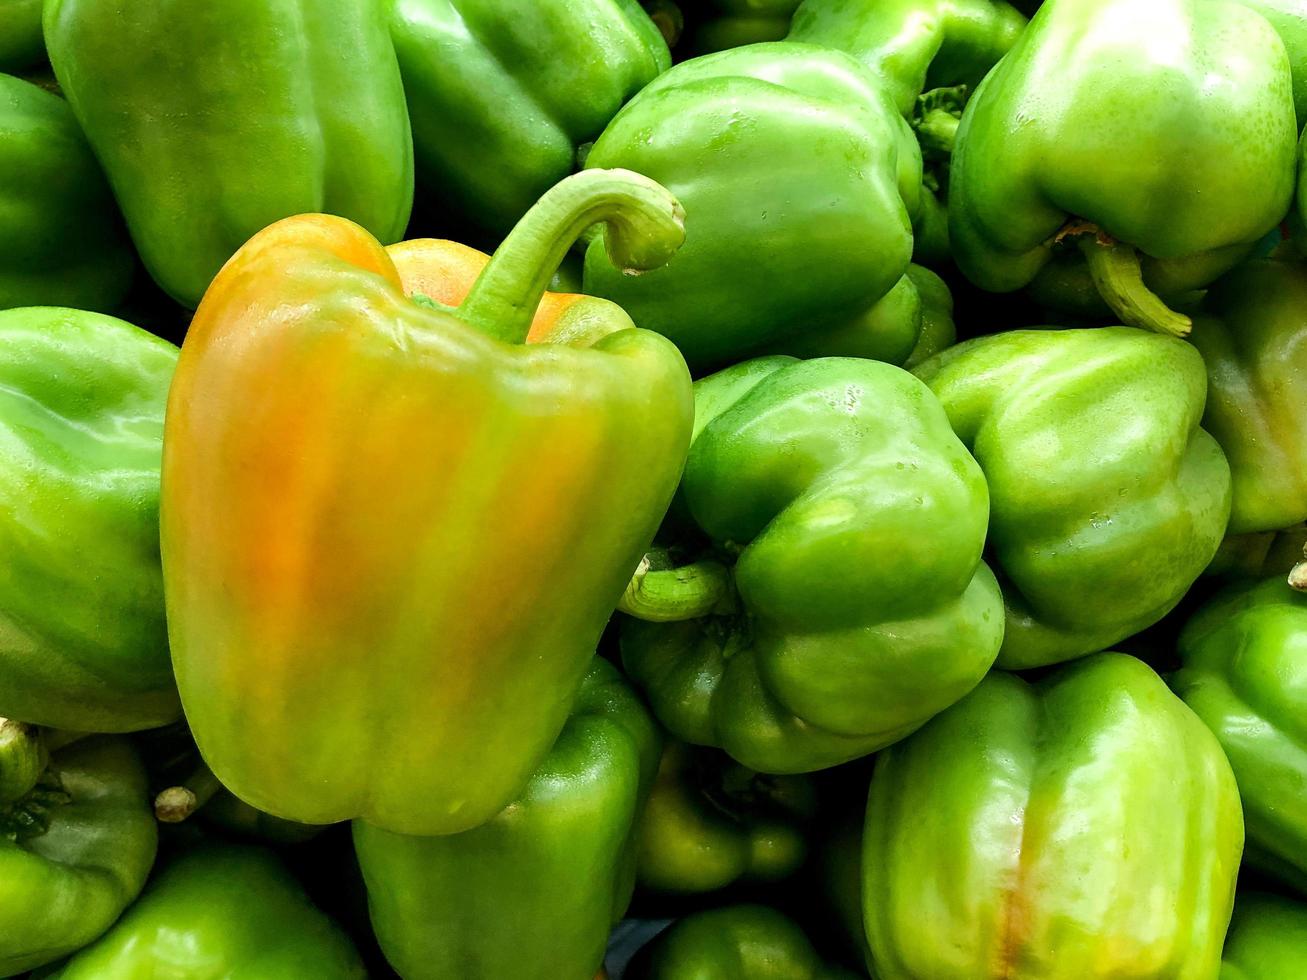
[23,757]
[672,595]
[1298,576]
[935,121]
[176,803]
[645,227]
[1114,267]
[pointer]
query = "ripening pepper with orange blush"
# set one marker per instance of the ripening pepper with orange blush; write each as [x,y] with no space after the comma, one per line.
[388,523]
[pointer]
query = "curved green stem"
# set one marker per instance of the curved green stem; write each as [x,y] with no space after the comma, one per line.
[176,803]
[645,227]
[1119,278]
[23,757]
[671,595]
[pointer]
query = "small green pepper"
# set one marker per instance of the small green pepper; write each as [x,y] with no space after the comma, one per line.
[220,911]
[802,633]
[1146,145]
[62,241]
[533,893]
[75,848]
[1242,673]
[737,942]
[711,822]
[1085,826]
[799,179]
[1107,499]
[83,644]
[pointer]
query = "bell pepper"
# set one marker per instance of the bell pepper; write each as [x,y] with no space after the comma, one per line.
[710,823]
[726,24]
[77,840]
[213,120]
[1252,334]
[502,95]
[21,44]
[735,942]
[1107,498]
[1241,663]
[83,644]
[1049,180]
[798,179]
[374,575]
[1084,826]
[220,911]
[911,323]
[804,633]
[929,54]
[914,45]
[1267,938]
[533,892]
[61,237]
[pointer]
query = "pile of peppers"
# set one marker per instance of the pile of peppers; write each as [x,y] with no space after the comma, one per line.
[666,490]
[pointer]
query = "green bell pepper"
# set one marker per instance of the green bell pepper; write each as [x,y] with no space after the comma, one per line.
[1107,498]
[809,635]
[1242,657]
[83,644]
[1267,939]
[914,45]
[1147,144]
[220,911]
[214,120]
[798,179]
[723,24]
[502,95]
[1084,826]
[736,942]
[75,846]
[929,55]
[534,892]
[1252,334]
[912,322]
[710,822]
[61,238]
[21,43]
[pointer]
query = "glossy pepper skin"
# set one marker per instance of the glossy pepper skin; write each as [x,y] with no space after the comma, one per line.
[501,95]
[1242,669]
[21,44]
[798,178]
[311,594]
[1267,938]
[1084,826]
[61,238]
[1107,499]
[185,104]
[711,822]
[735,942]
[911,323]
[1042,162]
[826,639]
[1252,333]
[75,850]
[83,644]
[533,892]
[220,911]
[914,45]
